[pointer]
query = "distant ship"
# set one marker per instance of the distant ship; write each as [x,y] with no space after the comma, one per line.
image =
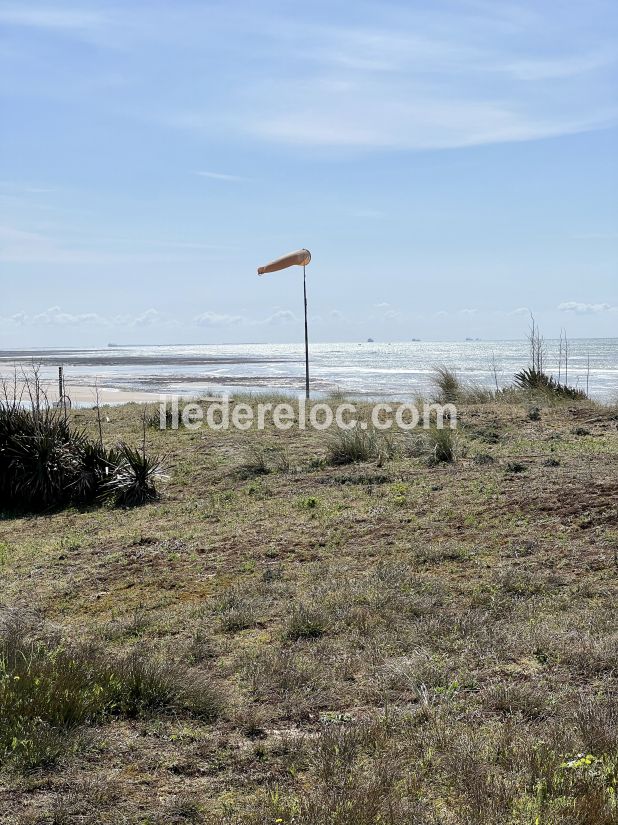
[370,340]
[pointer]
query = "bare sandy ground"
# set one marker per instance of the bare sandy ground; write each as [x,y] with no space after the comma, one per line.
[82,395]
[107,395]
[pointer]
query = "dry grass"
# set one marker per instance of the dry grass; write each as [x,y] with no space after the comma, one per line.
[289,640]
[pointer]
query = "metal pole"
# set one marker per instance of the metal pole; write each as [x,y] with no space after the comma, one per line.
[60,384]
[306,337]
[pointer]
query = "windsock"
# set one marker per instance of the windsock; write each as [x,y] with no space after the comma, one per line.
[299,258]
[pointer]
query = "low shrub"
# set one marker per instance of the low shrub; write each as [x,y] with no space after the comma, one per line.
[306,621]
[237,610]
[45,463]
[48,690]
[256,463]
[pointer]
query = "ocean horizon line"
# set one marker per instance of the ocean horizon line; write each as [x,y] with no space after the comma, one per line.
[90,347]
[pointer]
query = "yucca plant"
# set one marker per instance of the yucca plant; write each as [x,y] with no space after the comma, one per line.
[95,465]
[536,380]
[45,463]
[36,462]
[132,481]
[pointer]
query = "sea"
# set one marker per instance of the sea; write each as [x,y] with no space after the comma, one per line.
[370,369]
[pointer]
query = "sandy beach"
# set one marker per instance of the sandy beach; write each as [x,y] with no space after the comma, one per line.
[81,395]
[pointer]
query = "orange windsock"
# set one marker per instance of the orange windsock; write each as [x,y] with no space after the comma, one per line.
[299,258]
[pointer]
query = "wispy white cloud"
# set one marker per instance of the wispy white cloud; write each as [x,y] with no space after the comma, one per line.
[565,67]
[281,316]
[221,176]
[582,308]
[150,318]
[426,82]
[55,316]
[215,319]
[415,78]
[420,122]
[46,17]
[392,315]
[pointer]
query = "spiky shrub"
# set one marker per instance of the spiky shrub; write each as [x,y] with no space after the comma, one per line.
[36,457]
[7,423]
[133,476]
[45,464]
[94,467]
[538,381]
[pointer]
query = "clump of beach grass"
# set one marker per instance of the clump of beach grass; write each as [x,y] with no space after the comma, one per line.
[307,621]
[359,444]
[437,445]
[255,463]
[450,389]
[442,444]
[352,446]
[447,384]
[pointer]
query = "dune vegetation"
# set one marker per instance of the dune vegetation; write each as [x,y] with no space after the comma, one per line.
[323,630]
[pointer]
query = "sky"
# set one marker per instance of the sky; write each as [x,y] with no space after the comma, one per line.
[452,166]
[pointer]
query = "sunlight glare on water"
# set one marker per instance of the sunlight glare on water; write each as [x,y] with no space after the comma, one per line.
[373,370]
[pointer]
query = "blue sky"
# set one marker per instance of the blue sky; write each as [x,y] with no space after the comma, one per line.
[451,165]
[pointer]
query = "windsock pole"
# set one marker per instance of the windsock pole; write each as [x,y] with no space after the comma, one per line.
[306,336]
[299,258]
